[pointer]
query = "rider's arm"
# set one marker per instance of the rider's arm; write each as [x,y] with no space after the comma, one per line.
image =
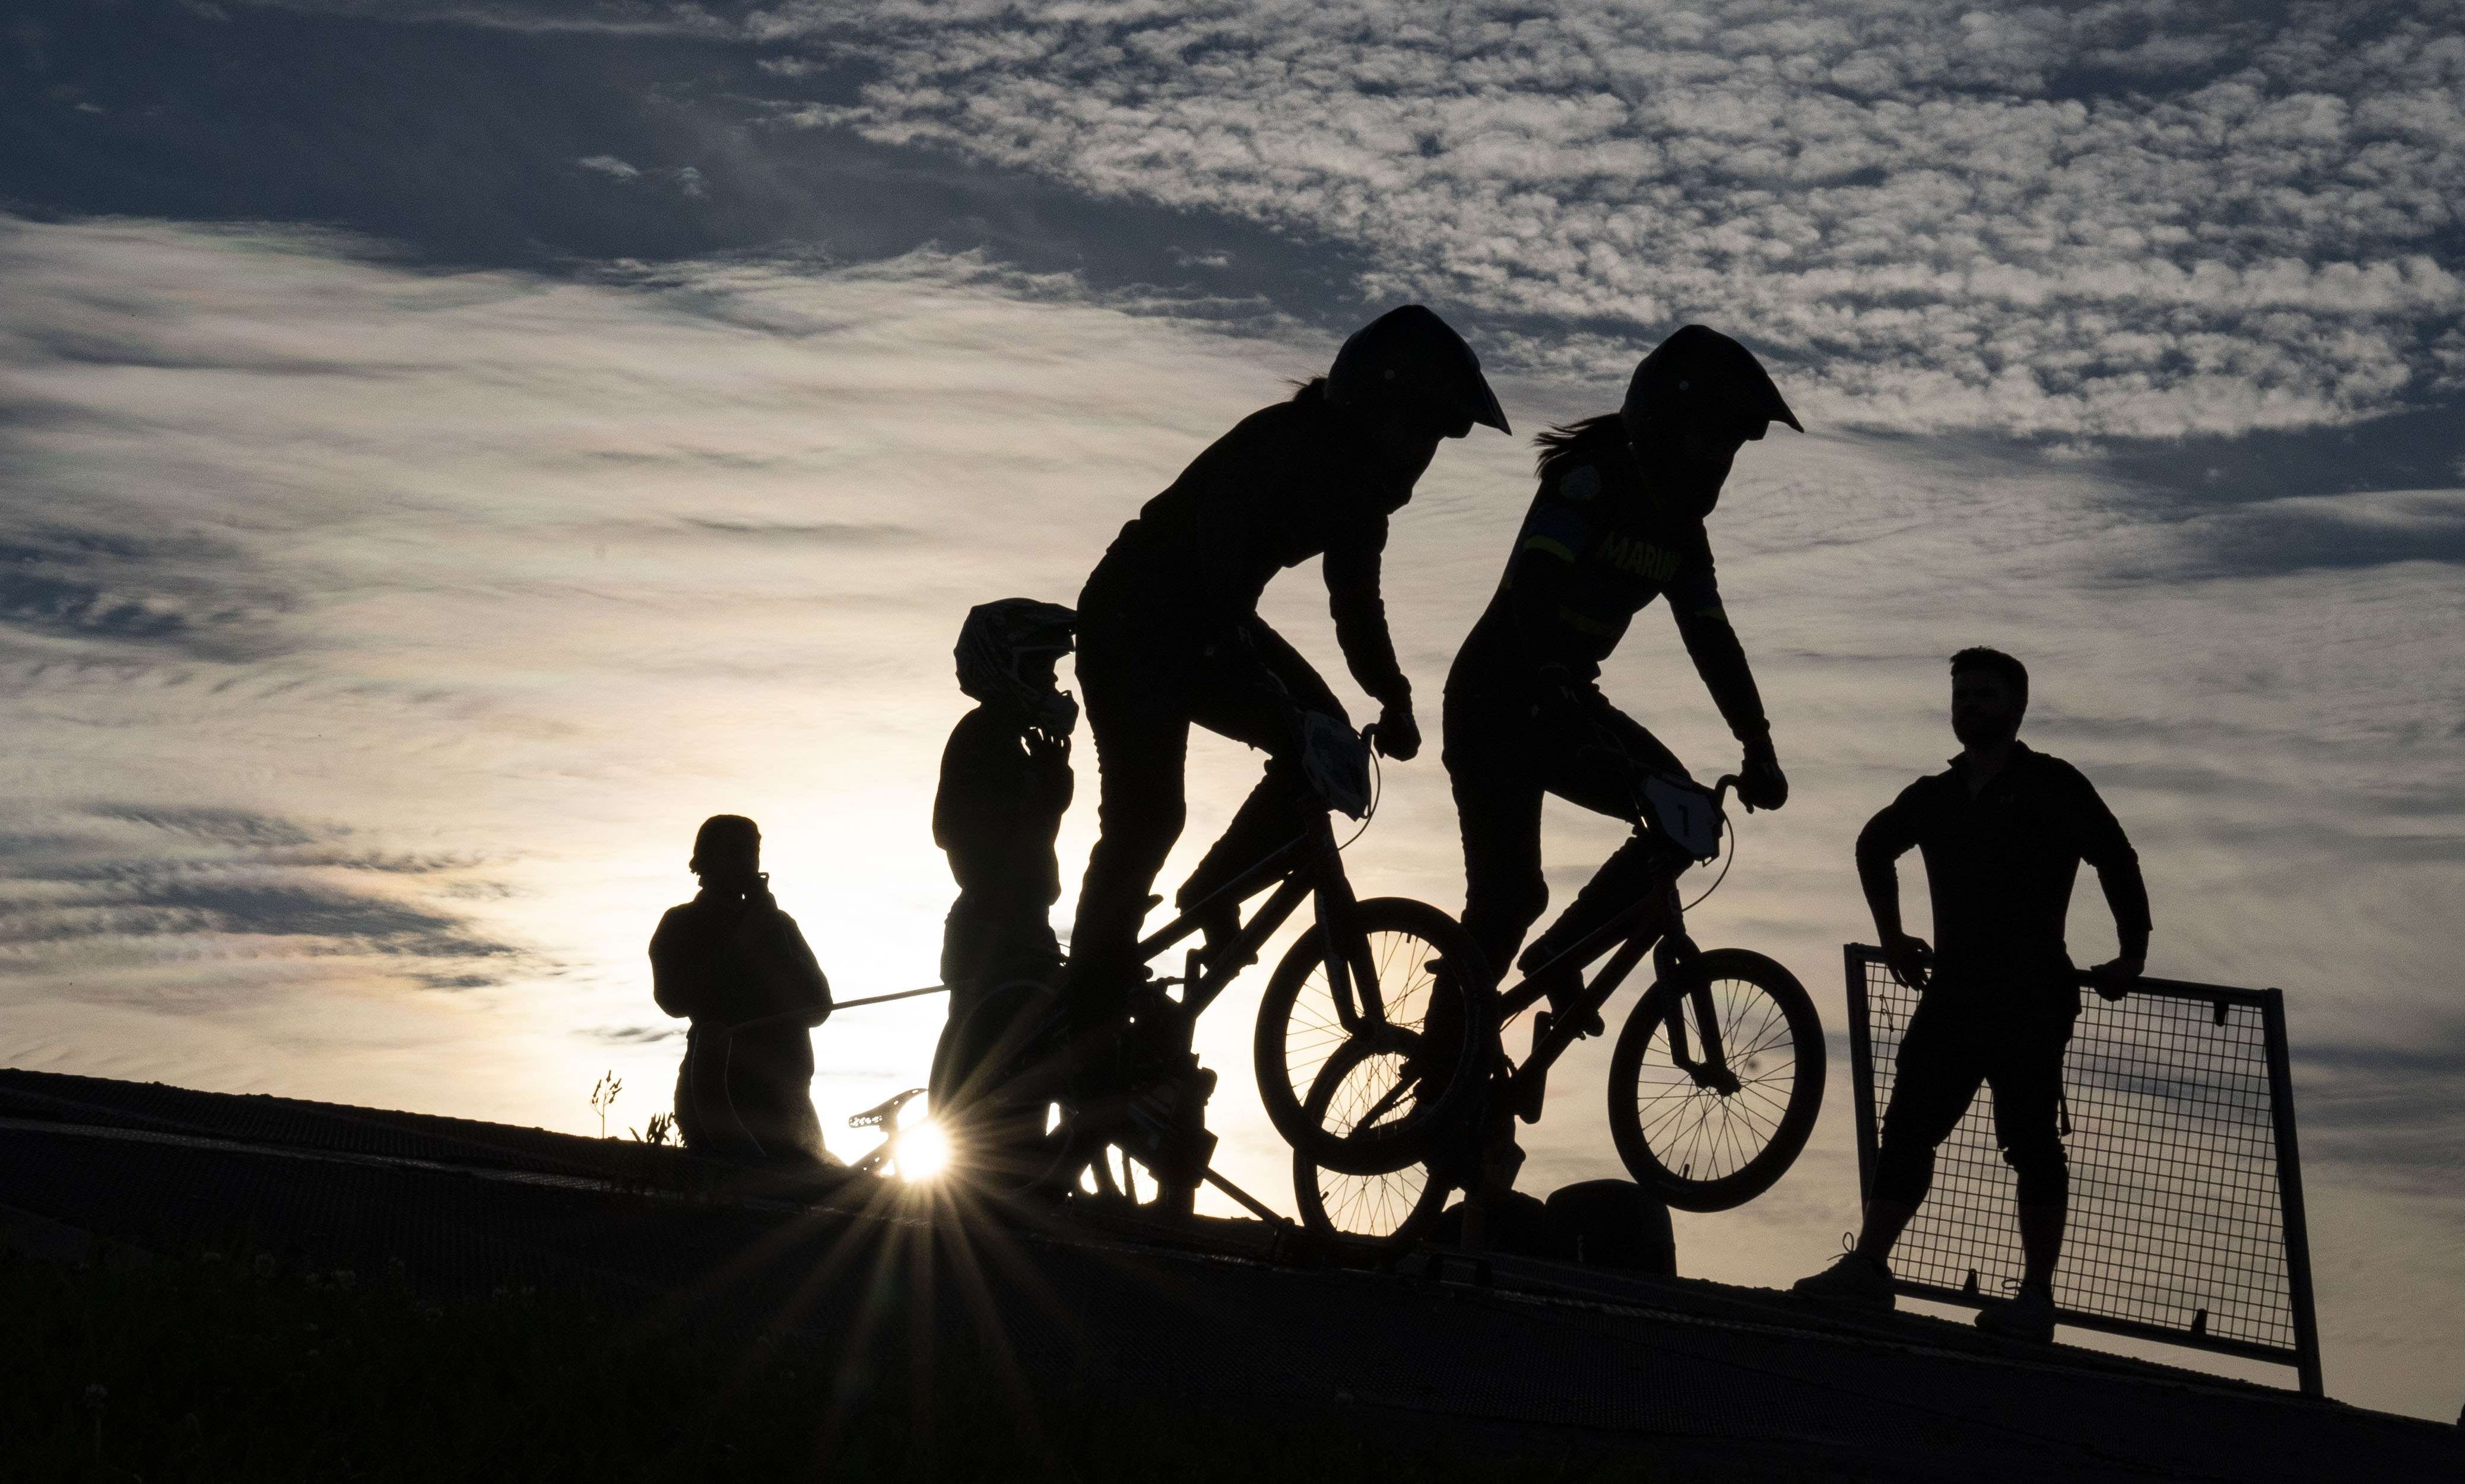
[1719,657]
[2103,844]
[1360,614]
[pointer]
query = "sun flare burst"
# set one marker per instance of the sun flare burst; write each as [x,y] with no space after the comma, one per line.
[924,1152]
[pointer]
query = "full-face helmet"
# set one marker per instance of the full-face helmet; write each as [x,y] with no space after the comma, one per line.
[1409,358]
[995,645]
[1700,377]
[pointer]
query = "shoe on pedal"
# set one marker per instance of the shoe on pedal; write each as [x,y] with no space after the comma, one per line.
[1587,1022]
[1565,989]
[2027,1315]
[1219,927]
[1854,1277]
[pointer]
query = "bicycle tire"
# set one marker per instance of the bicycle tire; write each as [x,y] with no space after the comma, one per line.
[1299,1030]
[1725,1148]
[1394,1208]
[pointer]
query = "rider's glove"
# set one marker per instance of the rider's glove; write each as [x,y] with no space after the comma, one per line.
[1399,735]
[1761,783]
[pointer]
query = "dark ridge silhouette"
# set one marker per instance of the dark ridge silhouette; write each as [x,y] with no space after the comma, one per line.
[839,1303]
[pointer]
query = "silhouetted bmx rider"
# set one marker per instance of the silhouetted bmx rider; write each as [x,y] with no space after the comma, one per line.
[1005,785]
[739,969]
[1169,634]
[2003,832]
[1618,522]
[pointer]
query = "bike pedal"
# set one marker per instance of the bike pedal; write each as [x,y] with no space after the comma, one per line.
[1531,1087]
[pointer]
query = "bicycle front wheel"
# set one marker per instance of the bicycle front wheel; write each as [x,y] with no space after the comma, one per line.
[1396,1207]
[1420,1064]
[1708,1134]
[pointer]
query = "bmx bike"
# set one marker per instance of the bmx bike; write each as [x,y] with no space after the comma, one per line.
[1050,1110]
[1714,1083]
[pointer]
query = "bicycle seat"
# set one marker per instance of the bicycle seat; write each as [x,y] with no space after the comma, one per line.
[884,1114]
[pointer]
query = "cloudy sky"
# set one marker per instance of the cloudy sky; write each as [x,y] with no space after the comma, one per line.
[448,449]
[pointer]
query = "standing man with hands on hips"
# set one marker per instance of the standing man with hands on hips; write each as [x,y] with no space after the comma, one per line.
[2002,831]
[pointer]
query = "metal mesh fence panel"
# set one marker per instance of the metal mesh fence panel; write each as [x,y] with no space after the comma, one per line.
[2186,1221]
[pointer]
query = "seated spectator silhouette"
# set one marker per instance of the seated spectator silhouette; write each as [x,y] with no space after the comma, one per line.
[1005,783]
[2003,832]
[737,967]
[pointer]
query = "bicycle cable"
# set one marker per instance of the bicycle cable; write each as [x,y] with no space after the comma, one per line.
[1729,831]
[1377,787]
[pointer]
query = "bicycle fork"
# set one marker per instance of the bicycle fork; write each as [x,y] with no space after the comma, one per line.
[1712,1069]
[1351,979]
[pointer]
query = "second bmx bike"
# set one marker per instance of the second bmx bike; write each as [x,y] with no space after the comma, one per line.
[1714,1083]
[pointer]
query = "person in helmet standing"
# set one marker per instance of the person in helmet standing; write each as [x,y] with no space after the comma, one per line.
[1617,521]
[1169,633]
[1005,785]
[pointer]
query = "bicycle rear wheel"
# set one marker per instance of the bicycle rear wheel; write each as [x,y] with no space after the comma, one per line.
[1396,1207]
[1420,1059]
[1699,1142]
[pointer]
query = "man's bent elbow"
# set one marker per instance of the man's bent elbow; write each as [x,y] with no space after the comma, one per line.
[1877,855]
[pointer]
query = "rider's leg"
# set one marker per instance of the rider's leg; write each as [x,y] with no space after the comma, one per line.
[982,950]
[1609,780]
[1279,807]
[1138,718]
[1253,690]
[1646,862]
[1497,807]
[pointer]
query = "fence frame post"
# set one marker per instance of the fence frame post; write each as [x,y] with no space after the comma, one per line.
[1861,1069]
[2289,1192]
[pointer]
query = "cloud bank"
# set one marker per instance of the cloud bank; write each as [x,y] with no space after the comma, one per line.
[2139,221]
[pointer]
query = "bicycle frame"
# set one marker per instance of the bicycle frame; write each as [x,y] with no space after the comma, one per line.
[1307,865]
[1630,934]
